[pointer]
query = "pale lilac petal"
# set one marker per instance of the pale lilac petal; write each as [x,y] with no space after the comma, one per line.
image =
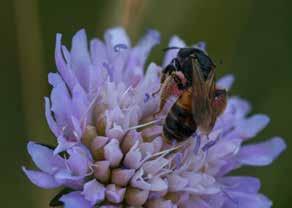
[242,183]
[75,200]
[116,36]
[79,160]
[79,102]
[98,53]
[80,59]
[225,82]
[67,175]
[93,191]
[158,184]
[249,127]
[176,182]
[62,66]
[41,179]
[263,153]
[51,121]
[237,107]
[244,200]
[60,98]
[196,203]
[44,158]
[224,149]
[63,144]
[169,55]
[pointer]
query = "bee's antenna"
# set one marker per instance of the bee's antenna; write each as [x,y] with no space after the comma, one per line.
[170,48]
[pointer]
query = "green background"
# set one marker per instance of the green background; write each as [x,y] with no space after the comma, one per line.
[252,37]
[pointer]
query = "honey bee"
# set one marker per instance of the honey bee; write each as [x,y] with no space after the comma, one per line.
[191,77]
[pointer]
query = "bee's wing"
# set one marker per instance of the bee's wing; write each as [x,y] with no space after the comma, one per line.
[202,95]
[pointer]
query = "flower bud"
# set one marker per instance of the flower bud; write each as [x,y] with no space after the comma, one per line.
[88,135]
[113,153]
[121,177]
[114,193]
[101,170]
[136,197]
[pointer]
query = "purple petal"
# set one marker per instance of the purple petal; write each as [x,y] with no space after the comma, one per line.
[244,200]
[41,179]
[169,55]
[225,82]
[79,160]
[60,98]
[63,69]
[80,59]
[63,144]
[93,191]
[248,128]
[238,107]
[44,158]
[51,121]
[79,102]
[116,36]
[263,153]
[239,183]
[75,200]
[197,203]
[98,53]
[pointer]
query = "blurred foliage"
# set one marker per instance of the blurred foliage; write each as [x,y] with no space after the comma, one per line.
[252,38]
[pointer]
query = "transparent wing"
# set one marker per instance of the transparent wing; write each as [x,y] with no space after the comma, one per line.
[202,97]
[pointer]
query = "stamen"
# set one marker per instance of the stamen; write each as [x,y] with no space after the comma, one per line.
[89,107]
[75,134]
[127,90]
[145,124]
[167,151]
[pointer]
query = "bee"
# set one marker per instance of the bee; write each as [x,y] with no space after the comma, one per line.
[191,77]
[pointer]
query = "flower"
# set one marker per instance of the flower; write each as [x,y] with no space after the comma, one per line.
[110,151]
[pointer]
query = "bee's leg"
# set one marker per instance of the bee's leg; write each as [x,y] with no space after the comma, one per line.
[166,92]
[162,79]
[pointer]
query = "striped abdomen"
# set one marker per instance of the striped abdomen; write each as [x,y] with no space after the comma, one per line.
[179,123]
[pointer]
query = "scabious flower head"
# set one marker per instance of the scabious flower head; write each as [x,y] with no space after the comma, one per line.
[110,151]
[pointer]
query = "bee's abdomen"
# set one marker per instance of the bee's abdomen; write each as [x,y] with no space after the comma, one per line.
[179,123]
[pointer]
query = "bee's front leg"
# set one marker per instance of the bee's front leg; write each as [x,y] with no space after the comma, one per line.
[169,88]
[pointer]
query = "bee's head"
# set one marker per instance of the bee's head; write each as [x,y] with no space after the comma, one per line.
[188,53]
